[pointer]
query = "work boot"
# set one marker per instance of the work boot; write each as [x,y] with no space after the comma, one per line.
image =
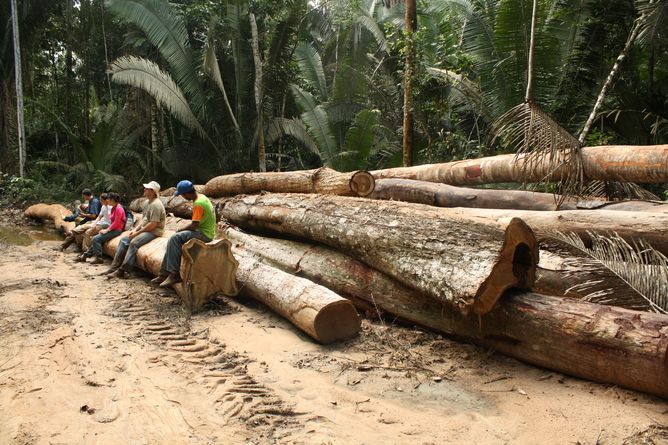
[68,241]
[97,260]
[118,273]
[81,258]
[159,279]
[109,271]
[171,280]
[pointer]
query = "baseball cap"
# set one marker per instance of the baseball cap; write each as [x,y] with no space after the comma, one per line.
[184,186]
[153,186]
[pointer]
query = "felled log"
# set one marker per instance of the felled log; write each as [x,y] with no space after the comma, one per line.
[650,226]
[316,310]
[51,212]
[624,163]
[456,260]
[322,180]
[599,343]
[176,205]
[444,195]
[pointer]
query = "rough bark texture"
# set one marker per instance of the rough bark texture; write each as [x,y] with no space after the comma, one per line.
[456,260]
[643,164]
[323,180]
[53,212]
[176,205]
[600,343]
[650,226]
[316,310]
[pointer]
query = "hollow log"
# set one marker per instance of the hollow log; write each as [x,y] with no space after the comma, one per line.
[599,343]
[316,310]
[624,163]
[457,260]
[206,268]
[51,212]
[322,180]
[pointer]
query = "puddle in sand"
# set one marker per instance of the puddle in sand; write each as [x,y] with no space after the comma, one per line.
[23,236]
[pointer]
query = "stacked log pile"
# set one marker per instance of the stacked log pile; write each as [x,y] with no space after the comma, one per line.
[463,262]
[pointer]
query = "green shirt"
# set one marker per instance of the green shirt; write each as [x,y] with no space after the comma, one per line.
[203,212]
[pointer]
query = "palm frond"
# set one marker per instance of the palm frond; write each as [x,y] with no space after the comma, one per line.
[316,120]
[311,69]
[614,190]
[211,68]
[359,140]
[535,135]
[367,22]
[146,75]
[281,126]
[651,15]
[166,30]
[470,90]
[639,265]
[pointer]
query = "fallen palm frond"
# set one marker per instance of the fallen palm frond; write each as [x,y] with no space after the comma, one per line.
[615,190]
[638,265]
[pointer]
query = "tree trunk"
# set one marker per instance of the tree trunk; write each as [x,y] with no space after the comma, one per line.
[322,180]
[410,20]
[457,260]
[52,212]
[316,310]
[261,155]
[631,226]
[625,163]
[443,195]
[600,343]
[19,91]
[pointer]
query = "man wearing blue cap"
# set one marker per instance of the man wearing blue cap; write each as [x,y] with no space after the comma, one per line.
[202,226]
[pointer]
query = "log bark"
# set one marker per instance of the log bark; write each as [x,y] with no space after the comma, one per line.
[457,260]
[323,180]
[322,314]
[625,163]
[599,343]
[176,205]
[650,226]
[51,212]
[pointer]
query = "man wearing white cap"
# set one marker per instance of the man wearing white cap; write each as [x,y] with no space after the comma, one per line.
[151,227]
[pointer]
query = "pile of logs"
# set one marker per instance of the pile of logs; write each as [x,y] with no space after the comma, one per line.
[461,261]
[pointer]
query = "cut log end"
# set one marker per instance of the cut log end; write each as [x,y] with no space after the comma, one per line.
[516,266]
[336,321]
[362,183]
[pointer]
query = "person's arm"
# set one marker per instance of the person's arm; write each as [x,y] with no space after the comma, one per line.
[93,209]
[149,227]
[117,219]
[198,214]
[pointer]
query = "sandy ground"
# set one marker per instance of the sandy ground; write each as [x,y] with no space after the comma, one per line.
[86,360]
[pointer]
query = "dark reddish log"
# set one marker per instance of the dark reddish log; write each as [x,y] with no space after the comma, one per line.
[51,212]
[600,343]
[461,261]
[642,164]
[322,180]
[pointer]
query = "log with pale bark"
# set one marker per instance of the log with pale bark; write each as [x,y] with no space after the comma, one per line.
[316,310]
[322,180]
[631,226]
[176,205]
[600,343]
[457,260]
[624,163]
[51,212]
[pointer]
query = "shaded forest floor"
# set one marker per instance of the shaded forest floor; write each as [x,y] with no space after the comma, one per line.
[90,360]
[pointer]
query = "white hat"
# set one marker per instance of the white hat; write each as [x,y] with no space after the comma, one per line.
[153,186]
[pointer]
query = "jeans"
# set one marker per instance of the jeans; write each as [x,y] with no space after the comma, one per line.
[98,240]
[171,262]
[127,250]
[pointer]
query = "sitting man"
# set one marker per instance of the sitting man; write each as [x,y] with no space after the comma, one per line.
[202,226]
[85,215]
[152,226]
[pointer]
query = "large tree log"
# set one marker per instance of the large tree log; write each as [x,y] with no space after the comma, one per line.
[650,226]
[316,310]
[600,343]
[457,260]
[176,205]
[643,164]
[322,180]
[51,212]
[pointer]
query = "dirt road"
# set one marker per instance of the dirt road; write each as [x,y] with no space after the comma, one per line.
[86,360]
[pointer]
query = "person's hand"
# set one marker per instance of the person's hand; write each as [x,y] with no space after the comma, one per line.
[103,231]
[132,234]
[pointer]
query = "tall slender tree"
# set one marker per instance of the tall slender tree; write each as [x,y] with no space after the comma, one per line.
[19,90]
